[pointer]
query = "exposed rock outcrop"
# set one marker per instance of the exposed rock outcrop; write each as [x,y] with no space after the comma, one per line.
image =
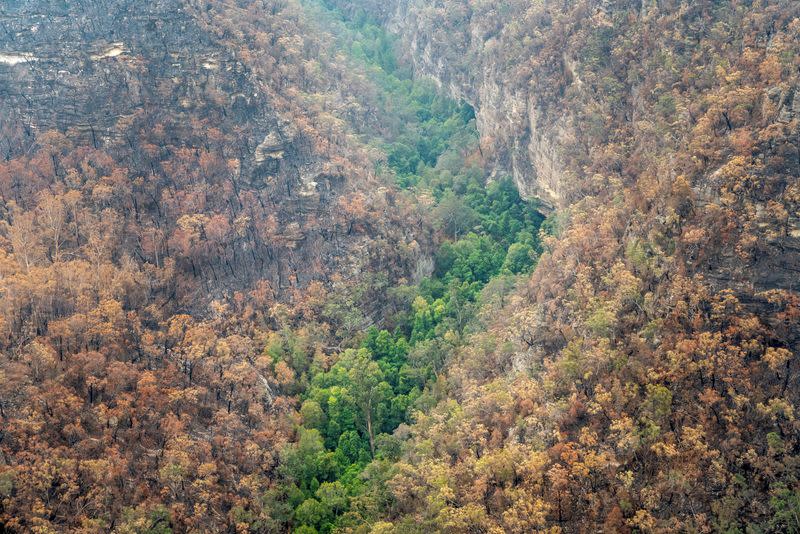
[162,85]
[543,104]
[467,54]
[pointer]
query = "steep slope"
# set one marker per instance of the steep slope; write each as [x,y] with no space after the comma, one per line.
[174,176]
[255,278]
[647,377]
[186,97]
[217,306]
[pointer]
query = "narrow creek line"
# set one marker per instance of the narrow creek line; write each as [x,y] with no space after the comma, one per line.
[487,234]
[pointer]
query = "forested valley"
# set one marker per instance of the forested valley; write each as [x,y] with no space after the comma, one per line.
[347,266]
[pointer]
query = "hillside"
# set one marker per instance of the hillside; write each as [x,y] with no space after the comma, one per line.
[350,266]
[170,178]
[207,207]
[645,378]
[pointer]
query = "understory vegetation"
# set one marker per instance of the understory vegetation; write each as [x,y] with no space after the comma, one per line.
[260,273]
[201,337]
[334,474]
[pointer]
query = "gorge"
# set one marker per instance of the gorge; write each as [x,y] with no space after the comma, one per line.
[350,266]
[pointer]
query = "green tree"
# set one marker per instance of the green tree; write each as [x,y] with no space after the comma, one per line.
[453,216]
[334,497]
[367,388]
[519,258]
[312,513]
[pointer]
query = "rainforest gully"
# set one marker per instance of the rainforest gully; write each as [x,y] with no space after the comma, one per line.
[399,266]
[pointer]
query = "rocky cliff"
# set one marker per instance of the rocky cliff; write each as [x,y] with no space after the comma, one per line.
[473,63]
[665,136]
[473,54]
[557,89]
[202,107]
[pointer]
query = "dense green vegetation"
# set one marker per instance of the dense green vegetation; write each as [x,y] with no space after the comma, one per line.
[350,411]
[190,342]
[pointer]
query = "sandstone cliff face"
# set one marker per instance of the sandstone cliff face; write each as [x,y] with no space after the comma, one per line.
[544,100]
[469,55]
[87,66]
[158,83]
[515,133]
